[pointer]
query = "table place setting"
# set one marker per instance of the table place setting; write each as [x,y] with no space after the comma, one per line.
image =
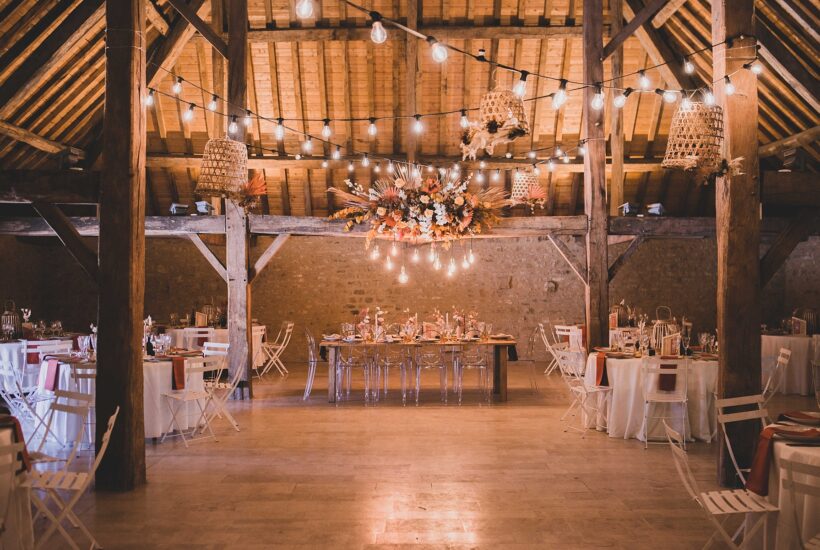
[796,429]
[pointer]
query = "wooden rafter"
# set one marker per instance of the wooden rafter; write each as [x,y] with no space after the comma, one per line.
[639,19]
[39,142]
[267,256]
[621,260]
[70,237]
[156,18]
[190,15]
[784,62]
[667,11]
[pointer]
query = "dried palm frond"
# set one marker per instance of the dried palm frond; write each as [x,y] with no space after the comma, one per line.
[256,186]
[349,199]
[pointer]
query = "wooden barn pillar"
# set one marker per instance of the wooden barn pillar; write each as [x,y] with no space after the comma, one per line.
[237,237]
[738,224]
[122,248]
[597,289]
[616,127]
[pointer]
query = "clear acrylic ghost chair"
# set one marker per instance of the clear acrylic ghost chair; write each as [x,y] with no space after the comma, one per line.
[802,484]
[395,357]
[430,358]
[727,413]
[313,360]
[719,507]
[479,358]
[777,376]
[351,358]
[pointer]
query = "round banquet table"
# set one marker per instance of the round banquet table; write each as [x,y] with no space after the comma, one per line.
[156,381]
[19,532]
[623,415]
[798,373]
[218,335]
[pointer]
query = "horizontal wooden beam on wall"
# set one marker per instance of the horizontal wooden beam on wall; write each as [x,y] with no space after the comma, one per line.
[52,186]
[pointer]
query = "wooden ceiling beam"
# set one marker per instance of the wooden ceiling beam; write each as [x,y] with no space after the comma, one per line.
[70,237]
[39,142]
[800,139]
[638,20]
[205,30]
[156,18]
[667,11]
[55,187]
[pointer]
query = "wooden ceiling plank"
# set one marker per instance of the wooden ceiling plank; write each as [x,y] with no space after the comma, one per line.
[190,15]
[39,142]
[666,12]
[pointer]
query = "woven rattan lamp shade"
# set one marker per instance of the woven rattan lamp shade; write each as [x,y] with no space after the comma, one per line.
[521,184]
[224,169]
[695,138]
[501,105]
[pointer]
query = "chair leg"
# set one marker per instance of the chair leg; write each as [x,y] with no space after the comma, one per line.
[56,525]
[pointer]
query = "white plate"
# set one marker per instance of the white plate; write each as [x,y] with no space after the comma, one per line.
[501,336]
[814,421]
[331,337]
[794,433]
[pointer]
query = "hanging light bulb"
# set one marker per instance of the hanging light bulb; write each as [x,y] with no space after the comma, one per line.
[565,158]
[326,131]
[729,88]
[233,127]
[708,98]
[558,152]
[465,122]
[416,172]
[508,155]
[307,145]
[366,163]
[149,99]
[551,165]
[496,174]
[394,249]
[643,81]
[536,170]
[620,99]
[416,256]
[371,129]
[688,66]
[378,167]
[470,255]
[482,165]
[390,166]
[418,127]
[374,253]
[755,66]
[247,121]
[456,168]
[560,96]
[685,102]
[439,51]
[297,156]
[451,267]
[350,166]
[337,153]
[437,263]
[324,164]
[431,256]
[388,264]
[177,87]
[188,115]
[212,103]
[403,277]
[377,33]
[280,129]
[304,9]
[520,88]
[598,99]
[479,177]
[669,96]
[582,149]
[465,263]
[532,154]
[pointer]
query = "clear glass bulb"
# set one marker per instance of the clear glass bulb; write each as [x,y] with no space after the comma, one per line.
[377,168]
[479,177]
[482,165]
[582,149]
[685,103]
[233,127]
[465,122]
[336,155]
[471,256]
[280,132]
[551,165]
[390,167]
[247,120]
[403,277]
[416,256]
[177,87]
[149,99]
[212,104]
[388,264]
[520,88]
[418,127]
[688,67]
[431,256]
[307,145]
[756,67]
[326,131]
[366,163]
[188,115]
[496,175]
[532,154]
[565,158]
[350,167]
[394,249]
[439,53]
[597,101]
[559,98]
[437,264]
[669,96]
[377,33]
[372,130]
[536,170]
[304,9]
[465,263]
[708,98]
[451,268]
[729,88]
[374,253]
[619,101]
[643,81]
[324,164]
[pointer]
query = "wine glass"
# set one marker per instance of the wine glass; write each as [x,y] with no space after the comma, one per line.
[686,338]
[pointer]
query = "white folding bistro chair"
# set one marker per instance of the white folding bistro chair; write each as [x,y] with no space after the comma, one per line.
[75,484]
[191,337]
[179,399]
[586,398]
[549,345]
[571,334]
[755,411]
[75,406]
[776,380]
[258,338]
[20,403]
[275,350]
[12,476]
[721,506]
[269,349]
[220,389]
[83,378]
[801,483]
[665,386]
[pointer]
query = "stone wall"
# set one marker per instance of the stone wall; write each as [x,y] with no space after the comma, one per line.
[320,282]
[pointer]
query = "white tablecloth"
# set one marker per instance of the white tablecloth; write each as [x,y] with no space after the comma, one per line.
[19,533]
[220,335]
[798,373]
[623,416]
[13,354]
[157,415]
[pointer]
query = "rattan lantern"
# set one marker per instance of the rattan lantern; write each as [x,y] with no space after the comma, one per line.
[522,181]
[224,170]
[695,138]
[502,107]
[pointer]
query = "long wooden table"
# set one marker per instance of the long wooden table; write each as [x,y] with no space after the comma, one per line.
[500,352]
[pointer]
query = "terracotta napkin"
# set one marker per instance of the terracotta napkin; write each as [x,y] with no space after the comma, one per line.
[584,335]
[201,341]
[178,373]
[600,370]
[8,421]
[758,480]
[33,358]
[75,341]
[666,382]
[52,374]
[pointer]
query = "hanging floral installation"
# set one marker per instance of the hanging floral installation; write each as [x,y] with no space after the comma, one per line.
[252,191]
[502,120]
[407,206]
[534,197]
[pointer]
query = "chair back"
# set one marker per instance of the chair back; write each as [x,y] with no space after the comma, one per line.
[570,363]
[192,336]
[430,356]
[777,376]
[282,330]
[104,444]
[682,462]
[664,380]
[313,354]
[287,336]
[215,349]
[570,334]
[12,473]
[801,480]
[70,403]
[49,347]
[754,410]
[475,355]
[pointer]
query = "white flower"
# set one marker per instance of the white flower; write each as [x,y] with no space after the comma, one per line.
[459,200]
[424,199]
[381,211]
[429,212]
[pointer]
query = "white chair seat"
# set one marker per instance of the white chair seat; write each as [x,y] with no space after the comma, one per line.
[186,395]
[60,480]
[735,501]
[664,398]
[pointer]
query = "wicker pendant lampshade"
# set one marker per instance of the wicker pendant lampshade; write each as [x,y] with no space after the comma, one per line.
[521,184]
[224,170]
[502,106]
[695,138]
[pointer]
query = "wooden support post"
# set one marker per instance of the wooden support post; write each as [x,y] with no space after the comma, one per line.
[577,267]
[209,256]
[122,249]
[267,256]
[237,237]
[70,237]
[737,226]
[411,66]
[616,133]
[597,290]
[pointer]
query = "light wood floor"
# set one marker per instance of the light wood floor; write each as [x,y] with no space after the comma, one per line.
[476,476]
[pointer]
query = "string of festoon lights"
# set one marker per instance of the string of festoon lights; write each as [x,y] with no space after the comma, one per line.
[398,251]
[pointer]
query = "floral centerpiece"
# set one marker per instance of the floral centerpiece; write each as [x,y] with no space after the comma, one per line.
[535,197]
[407,206]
